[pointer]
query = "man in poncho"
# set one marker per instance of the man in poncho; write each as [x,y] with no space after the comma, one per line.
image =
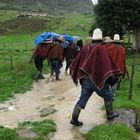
[96,71]
[70,53]
[55,57]
[117,52]
[39,55]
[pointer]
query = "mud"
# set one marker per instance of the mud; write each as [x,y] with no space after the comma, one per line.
[62,96]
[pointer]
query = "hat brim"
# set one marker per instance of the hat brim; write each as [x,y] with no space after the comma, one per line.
[48,42]
[117,41]
[108,41]
[97,39]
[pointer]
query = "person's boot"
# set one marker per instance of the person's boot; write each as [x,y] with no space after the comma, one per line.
[39,76]
[109,111]
[75,116]
[57,77]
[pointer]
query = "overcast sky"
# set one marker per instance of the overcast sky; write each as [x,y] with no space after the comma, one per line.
[94,1]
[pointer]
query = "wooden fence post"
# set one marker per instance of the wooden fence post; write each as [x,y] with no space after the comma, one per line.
[4,45]
[26,45]
[11,59]
[132,75]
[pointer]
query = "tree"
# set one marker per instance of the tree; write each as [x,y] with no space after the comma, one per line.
[118,16]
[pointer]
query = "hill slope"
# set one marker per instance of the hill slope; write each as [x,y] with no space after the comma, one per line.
[50,6]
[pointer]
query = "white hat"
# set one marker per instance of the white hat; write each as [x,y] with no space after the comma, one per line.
[108,39]
[117,38]
[97,34]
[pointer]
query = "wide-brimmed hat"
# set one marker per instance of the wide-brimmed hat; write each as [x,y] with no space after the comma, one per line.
[61,38]
[97,35]
[117,38]
[108,39]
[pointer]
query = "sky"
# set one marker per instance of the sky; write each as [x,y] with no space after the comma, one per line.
[94,1]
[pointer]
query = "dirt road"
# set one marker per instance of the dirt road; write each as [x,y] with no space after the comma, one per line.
[62,96]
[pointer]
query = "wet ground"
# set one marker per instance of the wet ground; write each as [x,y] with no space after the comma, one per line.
[60,95]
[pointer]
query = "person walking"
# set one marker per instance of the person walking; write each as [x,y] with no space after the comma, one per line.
[96,71]
[39,55]
[56,57]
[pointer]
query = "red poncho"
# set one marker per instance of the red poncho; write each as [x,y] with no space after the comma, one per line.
[117,52]
[41,50]
[95,62]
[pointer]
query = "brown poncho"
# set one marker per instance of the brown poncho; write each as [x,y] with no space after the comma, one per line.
[56,52]
[95,62]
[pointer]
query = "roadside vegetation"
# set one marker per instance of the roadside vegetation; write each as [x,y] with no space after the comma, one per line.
[111,132]
[41,130]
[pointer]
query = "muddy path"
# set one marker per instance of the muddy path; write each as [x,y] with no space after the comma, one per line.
[60,95]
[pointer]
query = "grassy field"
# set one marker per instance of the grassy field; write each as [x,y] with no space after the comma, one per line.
[7,15]
[20,39]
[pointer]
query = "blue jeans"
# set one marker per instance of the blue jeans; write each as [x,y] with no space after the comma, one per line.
[88,87]
[55,66]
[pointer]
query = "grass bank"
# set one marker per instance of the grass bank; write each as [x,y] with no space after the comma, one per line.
[111,132]
[41,129]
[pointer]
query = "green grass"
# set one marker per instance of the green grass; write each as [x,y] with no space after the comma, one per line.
[7,134]
[17,42]
[75,24]
[121,99]
[41,128]
[7,15]
[20,79]
[111,132]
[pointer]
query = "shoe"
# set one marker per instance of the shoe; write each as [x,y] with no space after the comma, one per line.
[75,115]
[41,76]
[109,111]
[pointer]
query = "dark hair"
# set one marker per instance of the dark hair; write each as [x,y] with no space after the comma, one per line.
[97,41]
[79,43]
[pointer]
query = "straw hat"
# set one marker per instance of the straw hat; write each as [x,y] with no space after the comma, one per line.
[108,39]
[88,40]
[117,38]
[97,34]
[61,38]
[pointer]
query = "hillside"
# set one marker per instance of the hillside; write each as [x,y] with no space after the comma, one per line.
[49,6]
[70,24]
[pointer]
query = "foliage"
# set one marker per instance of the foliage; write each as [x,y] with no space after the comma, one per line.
[115,16]
[111,132]
[121,99]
